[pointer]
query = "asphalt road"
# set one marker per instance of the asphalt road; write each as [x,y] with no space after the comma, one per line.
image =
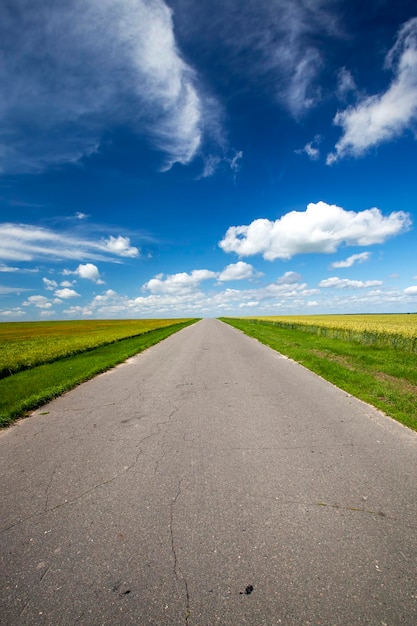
[209,480]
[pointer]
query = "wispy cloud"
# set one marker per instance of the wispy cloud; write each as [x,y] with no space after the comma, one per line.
[345,83]
[382,117]
[24,242]
[311,149]
[270,44]
[321,228]
[83,66]
[351,260]
[346,283]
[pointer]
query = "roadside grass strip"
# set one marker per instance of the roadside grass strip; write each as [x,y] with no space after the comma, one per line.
[381,375]
[29,389]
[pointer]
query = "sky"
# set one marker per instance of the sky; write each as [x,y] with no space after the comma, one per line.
[192,158]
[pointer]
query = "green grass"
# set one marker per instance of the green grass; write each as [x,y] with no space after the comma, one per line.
[29,389]
[382,376]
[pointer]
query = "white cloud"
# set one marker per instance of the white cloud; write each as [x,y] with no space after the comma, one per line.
[86,65]
[411,291]
[121,246]
[289,278]
[66,293]
[271,46]
[345,83]
[383,117]
[12,313]
[346,283]
[248,304]
[310,150]
[7,268]
[41,302]
[50,285]
[181,283]
[9,290]
[24,242]
[215,162]
[90,272]
[322,228]
[351,260]
[236,271]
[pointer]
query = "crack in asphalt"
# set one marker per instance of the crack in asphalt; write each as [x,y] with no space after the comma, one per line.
[159,426]
[178,573]
[72,500]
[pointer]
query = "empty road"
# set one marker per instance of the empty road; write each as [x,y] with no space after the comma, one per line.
[208,480]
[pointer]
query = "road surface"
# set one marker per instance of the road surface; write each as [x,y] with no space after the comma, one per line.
[208,480]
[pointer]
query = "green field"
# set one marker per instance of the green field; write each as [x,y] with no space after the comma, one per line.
[41,360]
[372,357]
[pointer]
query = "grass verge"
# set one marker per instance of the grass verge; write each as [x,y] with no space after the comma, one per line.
[382,376]
[30,389]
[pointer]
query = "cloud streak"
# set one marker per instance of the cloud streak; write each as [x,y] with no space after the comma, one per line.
[383,117]
[23,242]
[83,64]
[270,44]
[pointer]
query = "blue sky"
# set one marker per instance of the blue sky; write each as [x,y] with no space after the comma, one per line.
[188,158]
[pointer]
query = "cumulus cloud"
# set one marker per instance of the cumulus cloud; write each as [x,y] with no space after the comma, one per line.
[178,283]
[90,272]
[351,260]
[121,246]
[24,242]
[84,64]
[49,284]
[322,228]
[289,278]
[346,283]
[66,293]
[411,291]
[236,271]
[41,302]
[13,313]
[186,283]
[382,117]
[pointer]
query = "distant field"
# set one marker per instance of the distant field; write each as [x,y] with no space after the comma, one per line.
[24,345]
[41,360]
[373,357]
[396,330]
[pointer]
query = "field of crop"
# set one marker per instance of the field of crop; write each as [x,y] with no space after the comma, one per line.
[41,360]
[393,330]
[24,345]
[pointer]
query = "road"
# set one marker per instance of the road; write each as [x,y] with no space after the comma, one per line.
[208,480]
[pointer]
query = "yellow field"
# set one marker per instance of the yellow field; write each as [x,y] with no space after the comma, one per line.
[401,324]
[396,330]
[26,344]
